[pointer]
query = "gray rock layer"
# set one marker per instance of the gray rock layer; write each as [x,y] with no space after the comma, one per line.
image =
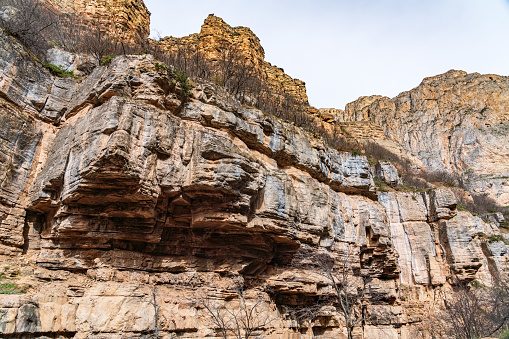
[121,203]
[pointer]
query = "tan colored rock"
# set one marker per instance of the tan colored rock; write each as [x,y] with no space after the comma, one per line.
[420,257]
[442,204]
[122,202]
[455,121]
[387,173]
[460,237]
[130,17]
[215,34]
[331,114]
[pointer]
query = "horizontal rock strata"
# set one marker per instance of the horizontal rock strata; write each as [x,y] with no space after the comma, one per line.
[122,203]
[455,122]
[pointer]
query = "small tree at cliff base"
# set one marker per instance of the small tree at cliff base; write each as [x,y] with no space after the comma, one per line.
[472,311]
[350,292]
[158,319]
[241,317]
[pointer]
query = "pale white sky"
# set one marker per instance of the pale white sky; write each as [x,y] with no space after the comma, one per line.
[345,49]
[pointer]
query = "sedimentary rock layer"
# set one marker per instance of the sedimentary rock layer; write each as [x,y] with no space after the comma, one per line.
[455,121]
[123,203]
[216,36]
[130,18]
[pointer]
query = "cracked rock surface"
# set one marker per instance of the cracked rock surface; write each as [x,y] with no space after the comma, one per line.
[117,194]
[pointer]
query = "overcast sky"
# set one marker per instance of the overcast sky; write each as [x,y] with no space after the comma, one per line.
[345,49]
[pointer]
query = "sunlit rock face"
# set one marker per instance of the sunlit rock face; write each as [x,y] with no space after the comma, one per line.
[455,121]
[216,34]
[122,203]
[129,18]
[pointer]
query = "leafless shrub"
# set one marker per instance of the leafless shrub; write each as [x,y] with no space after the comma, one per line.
[472,311]
[38,27]
[339,141]
[68,32]
[28,21]
[350,293]
[240,318]
[482,204]
[158,319]
[440,176]
[99,41]
[380,153]
[414,181]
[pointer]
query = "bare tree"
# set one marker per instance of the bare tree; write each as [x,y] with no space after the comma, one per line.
[27,21]
[100,42]
[472,311]
[350,291]
[157,316]
[69,32]
[240,318]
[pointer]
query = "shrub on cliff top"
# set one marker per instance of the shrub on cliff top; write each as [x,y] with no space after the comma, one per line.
[58,70]
[107,59]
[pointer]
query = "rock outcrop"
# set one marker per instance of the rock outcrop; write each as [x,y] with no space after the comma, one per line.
[130,18]
[216,36]
[455,122]
[122,203]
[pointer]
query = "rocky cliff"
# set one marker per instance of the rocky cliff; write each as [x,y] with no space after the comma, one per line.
[130,18]
[216,36]
[122,202]
[455,121]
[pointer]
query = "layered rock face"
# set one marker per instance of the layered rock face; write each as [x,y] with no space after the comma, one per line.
[456,122]
[215,35]
[122,203]
[130,18]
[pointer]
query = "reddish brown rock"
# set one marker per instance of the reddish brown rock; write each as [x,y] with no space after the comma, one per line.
[129,17]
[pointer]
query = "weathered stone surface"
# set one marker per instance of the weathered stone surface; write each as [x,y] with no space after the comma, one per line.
[80,65]
[19,138]
[386,172]
[123,198]
[460,237]
[442,204]
[497,218]
[331,114]
[131,18]
[455,121]
[420,257]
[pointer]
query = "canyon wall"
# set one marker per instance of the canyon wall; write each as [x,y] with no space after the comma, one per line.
[455,122]
[129,18]
[123,203]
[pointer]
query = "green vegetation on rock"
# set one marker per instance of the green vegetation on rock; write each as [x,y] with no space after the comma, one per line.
[12,289]
[107,59]
[58,71]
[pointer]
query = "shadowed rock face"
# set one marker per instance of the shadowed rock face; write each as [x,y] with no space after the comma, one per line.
[115,191]
[454,121]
